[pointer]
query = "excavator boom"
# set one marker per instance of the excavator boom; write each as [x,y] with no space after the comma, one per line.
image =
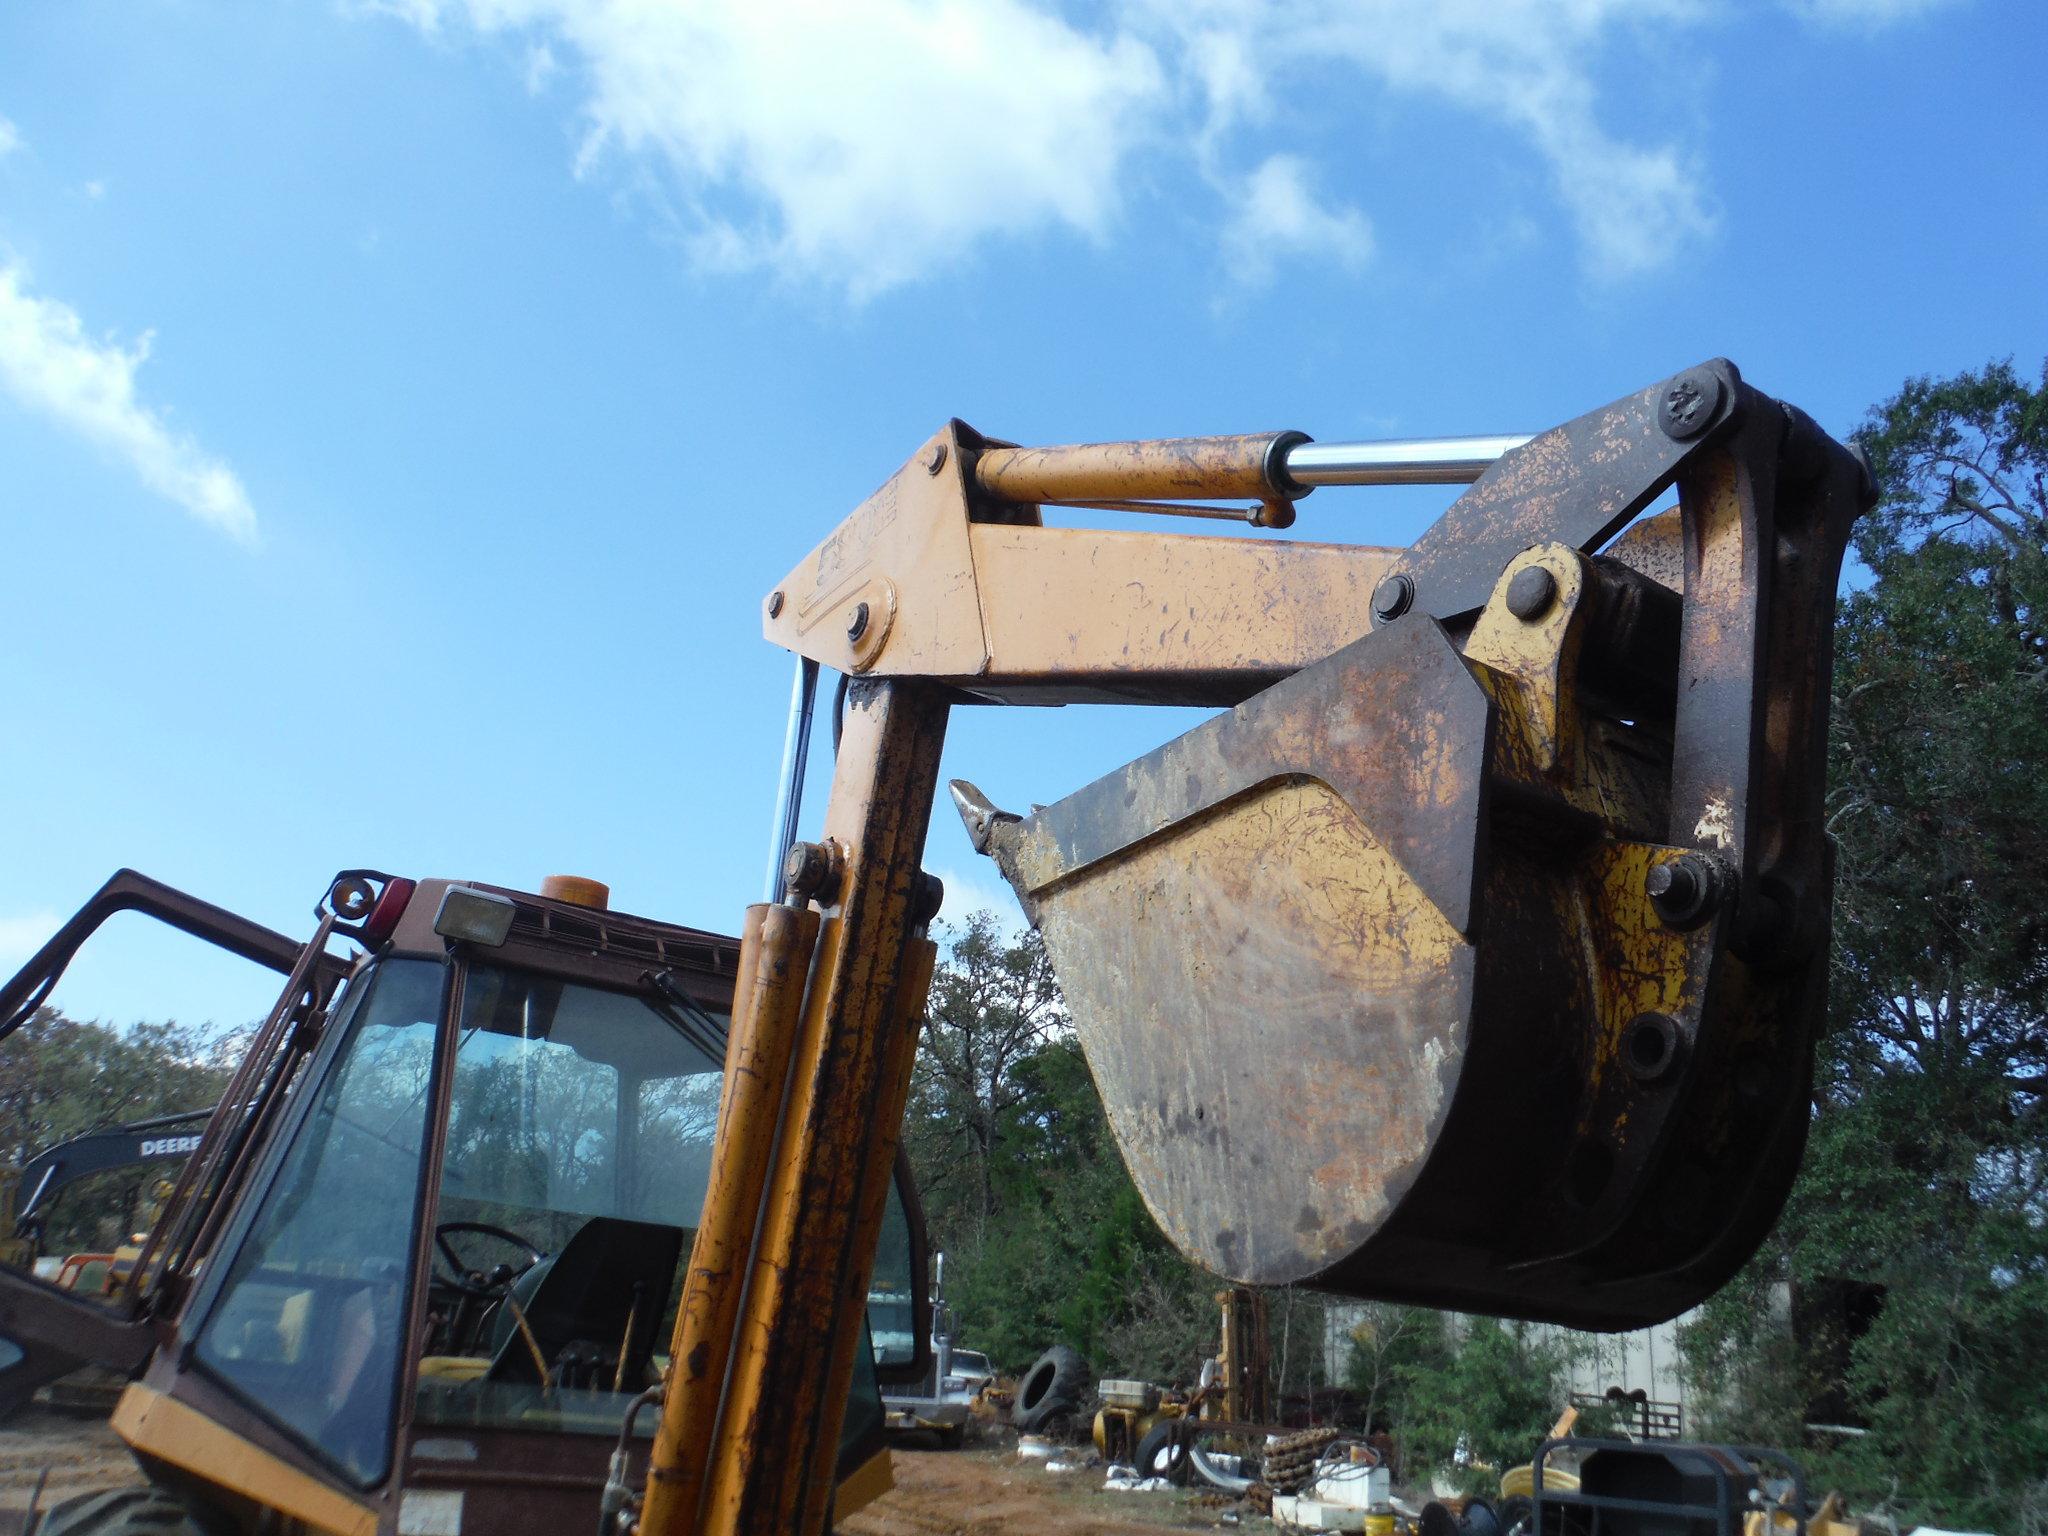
[1473,956]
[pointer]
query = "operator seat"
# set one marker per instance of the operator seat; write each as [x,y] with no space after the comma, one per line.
[609,1285]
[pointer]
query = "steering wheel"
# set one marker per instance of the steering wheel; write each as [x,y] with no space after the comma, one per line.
[476,1282]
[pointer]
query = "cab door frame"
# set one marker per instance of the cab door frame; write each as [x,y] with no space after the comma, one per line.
[53,1331]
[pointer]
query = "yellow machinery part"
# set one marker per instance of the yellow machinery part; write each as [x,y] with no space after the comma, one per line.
[161,1427]
[863,1485]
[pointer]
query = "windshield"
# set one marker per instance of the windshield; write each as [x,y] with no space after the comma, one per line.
[309,1319]
[580,1125]
[571,1102]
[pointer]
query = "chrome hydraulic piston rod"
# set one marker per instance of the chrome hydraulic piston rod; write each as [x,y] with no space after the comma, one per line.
[1396,461]
[789,791]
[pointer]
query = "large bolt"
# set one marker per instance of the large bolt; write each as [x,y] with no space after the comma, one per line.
[1650,1046]
[809,869]
[775,604]
[1531,593]
[935,458]
[928,897]
[1394,596]
[1685,891]
[857,624]
[1689,404]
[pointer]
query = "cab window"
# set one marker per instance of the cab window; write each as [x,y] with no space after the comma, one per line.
[309,1319]
[580,1127]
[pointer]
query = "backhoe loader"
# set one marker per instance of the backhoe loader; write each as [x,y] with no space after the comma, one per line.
[425,1258]
[1471,955]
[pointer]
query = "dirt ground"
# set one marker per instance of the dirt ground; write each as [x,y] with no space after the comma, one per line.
[989,1492]
[970,1492]
[81,1455]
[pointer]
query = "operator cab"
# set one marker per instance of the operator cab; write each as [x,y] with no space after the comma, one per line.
[451,1262]
[574,1160]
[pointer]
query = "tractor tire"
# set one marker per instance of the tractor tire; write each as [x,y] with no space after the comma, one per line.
[1060,1377]
[123,1512]
[1160,1454]
[1059,1418]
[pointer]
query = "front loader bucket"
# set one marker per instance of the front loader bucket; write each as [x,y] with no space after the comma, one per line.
[1479,964]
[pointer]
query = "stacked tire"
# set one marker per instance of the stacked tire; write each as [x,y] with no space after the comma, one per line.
[1050,1396]
[1291,1461]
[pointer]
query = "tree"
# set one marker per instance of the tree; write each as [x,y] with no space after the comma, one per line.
[1390,1345]
[1941,728]
[992,1004]
[1926,1167]
[61,1077]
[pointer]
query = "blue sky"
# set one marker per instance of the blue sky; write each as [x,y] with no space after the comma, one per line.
[404,408]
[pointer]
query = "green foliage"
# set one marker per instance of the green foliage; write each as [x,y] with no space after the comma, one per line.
[1750,1380]
[61,1077]
[1490,1387]
[1926,1164]
[1393,1348]
[1951,1369]
[1957,457]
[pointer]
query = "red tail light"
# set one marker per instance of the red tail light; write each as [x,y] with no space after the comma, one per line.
[390,907]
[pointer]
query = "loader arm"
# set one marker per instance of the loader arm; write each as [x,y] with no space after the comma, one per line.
[1473,956]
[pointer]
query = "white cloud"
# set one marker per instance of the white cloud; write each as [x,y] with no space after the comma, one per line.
[21,937]
[979,890]
[1526,64]
[94,190]
[868,143]
[10,138]
[50,365]
[1280,214]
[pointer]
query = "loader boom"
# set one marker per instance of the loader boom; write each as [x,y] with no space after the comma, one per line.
[1473,956]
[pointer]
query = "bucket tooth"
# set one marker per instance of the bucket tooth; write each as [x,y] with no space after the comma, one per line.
[995,833]
[978,814]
